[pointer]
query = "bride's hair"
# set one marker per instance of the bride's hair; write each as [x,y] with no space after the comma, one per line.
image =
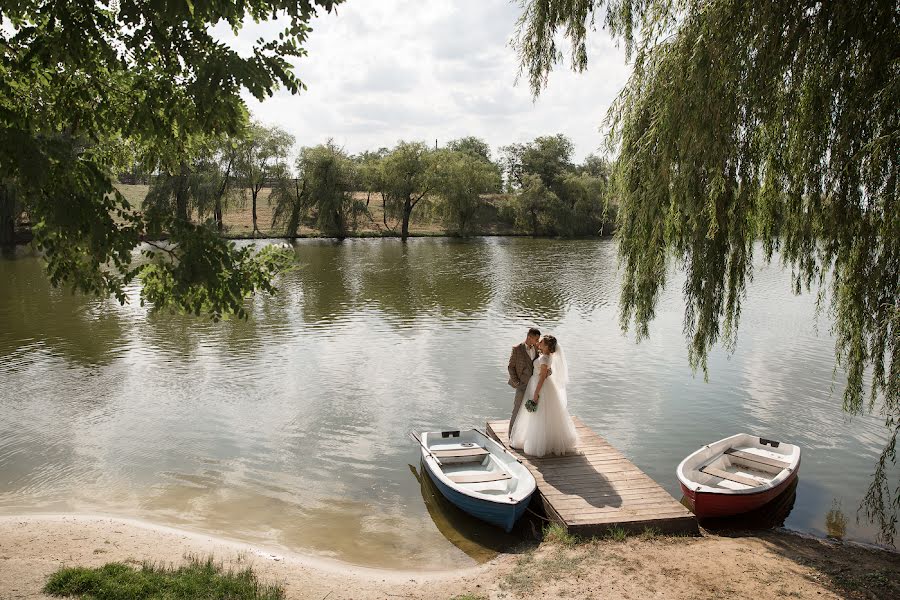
[551,343]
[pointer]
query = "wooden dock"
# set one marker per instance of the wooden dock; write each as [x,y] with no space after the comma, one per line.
[598,489]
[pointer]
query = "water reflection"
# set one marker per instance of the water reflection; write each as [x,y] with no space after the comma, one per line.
[479,541]
[36,317]
[835,521]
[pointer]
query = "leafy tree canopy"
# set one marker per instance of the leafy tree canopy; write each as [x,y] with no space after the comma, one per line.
[549,157]
[329,177]
[85,79]
[460,179]
[473,146]
[756,121]
[407,176]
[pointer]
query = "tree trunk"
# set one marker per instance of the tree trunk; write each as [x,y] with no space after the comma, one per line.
[7,216]
[407,211]
[181,200]
[255,229]
[217,209]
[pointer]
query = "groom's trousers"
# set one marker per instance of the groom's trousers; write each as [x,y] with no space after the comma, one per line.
[517,403]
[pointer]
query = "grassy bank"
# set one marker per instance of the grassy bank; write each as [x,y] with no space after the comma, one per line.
[197,579]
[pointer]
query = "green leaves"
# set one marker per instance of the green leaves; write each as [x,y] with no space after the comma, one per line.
[89,89]
[460,177]
[199,272]
[329,179]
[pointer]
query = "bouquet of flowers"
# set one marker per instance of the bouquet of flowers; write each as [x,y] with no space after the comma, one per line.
[530,405]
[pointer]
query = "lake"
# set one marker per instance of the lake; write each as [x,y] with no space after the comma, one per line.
[290,429]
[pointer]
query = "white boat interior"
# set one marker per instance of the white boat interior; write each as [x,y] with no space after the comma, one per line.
[476,465]
[739,464]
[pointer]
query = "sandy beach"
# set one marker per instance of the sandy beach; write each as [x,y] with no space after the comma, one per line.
[768,564]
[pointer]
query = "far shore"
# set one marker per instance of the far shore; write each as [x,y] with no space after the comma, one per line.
[238,221]
[760,564]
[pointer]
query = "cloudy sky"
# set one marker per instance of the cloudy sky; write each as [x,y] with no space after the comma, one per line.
[380,71]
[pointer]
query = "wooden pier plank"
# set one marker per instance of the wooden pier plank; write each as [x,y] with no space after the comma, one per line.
[599,488]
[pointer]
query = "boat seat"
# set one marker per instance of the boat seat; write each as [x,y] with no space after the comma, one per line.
[730,476]
[480,477]
[772,462]
[474,453]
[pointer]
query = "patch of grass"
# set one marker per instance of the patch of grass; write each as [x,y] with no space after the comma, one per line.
[532,571]
[615,534]
[198,579]
[555,533]
[650,533]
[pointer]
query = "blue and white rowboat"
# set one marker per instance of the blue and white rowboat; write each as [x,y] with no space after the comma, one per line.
[478,475]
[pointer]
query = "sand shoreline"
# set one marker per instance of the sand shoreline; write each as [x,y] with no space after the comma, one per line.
[34,545]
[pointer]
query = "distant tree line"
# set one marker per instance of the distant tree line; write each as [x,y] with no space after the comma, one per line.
[546,193]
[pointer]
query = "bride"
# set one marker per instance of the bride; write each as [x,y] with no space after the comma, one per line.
[549,429]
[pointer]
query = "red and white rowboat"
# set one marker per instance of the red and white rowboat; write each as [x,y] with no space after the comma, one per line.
[737,474]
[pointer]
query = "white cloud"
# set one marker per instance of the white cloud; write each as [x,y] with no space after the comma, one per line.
[378,72]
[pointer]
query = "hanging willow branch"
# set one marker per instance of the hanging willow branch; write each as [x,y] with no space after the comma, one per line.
[747,122]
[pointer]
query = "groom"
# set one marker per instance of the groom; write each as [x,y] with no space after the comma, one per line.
[521,366]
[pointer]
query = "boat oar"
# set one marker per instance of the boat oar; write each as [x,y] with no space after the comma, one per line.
[413,435]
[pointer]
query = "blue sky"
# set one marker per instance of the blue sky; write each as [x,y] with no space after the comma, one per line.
[383,70]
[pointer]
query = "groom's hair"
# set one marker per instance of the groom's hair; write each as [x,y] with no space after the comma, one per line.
[534,331]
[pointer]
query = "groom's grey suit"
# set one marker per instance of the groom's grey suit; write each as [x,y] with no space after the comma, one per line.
[521,366]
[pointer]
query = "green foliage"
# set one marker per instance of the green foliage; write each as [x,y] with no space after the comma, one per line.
[208,274]
[460,179]
[533,205]
[291,204]
[86,85]
[369,171]
[479,150]
[329,179]
[616,534]
[555,533]
[757,121]
[201,185]
[10,209]
[584,209]
[199,579]
[549,157]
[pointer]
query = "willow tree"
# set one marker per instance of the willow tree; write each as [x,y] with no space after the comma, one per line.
[460,178]
[81,77]
[756,121]
[262,157]
[407,176]
[329,178]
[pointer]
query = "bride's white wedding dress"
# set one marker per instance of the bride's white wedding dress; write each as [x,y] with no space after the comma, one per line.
[548,430]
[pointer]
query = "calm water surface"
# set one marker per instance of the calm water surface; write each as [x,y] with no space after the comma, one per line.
[290,429]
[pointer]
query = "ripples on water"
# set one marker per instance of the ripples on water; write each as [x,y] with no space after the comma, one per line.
[290,428]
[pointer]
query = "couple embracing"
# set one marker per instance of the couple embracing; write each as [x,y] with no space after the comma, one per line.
[540,423]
